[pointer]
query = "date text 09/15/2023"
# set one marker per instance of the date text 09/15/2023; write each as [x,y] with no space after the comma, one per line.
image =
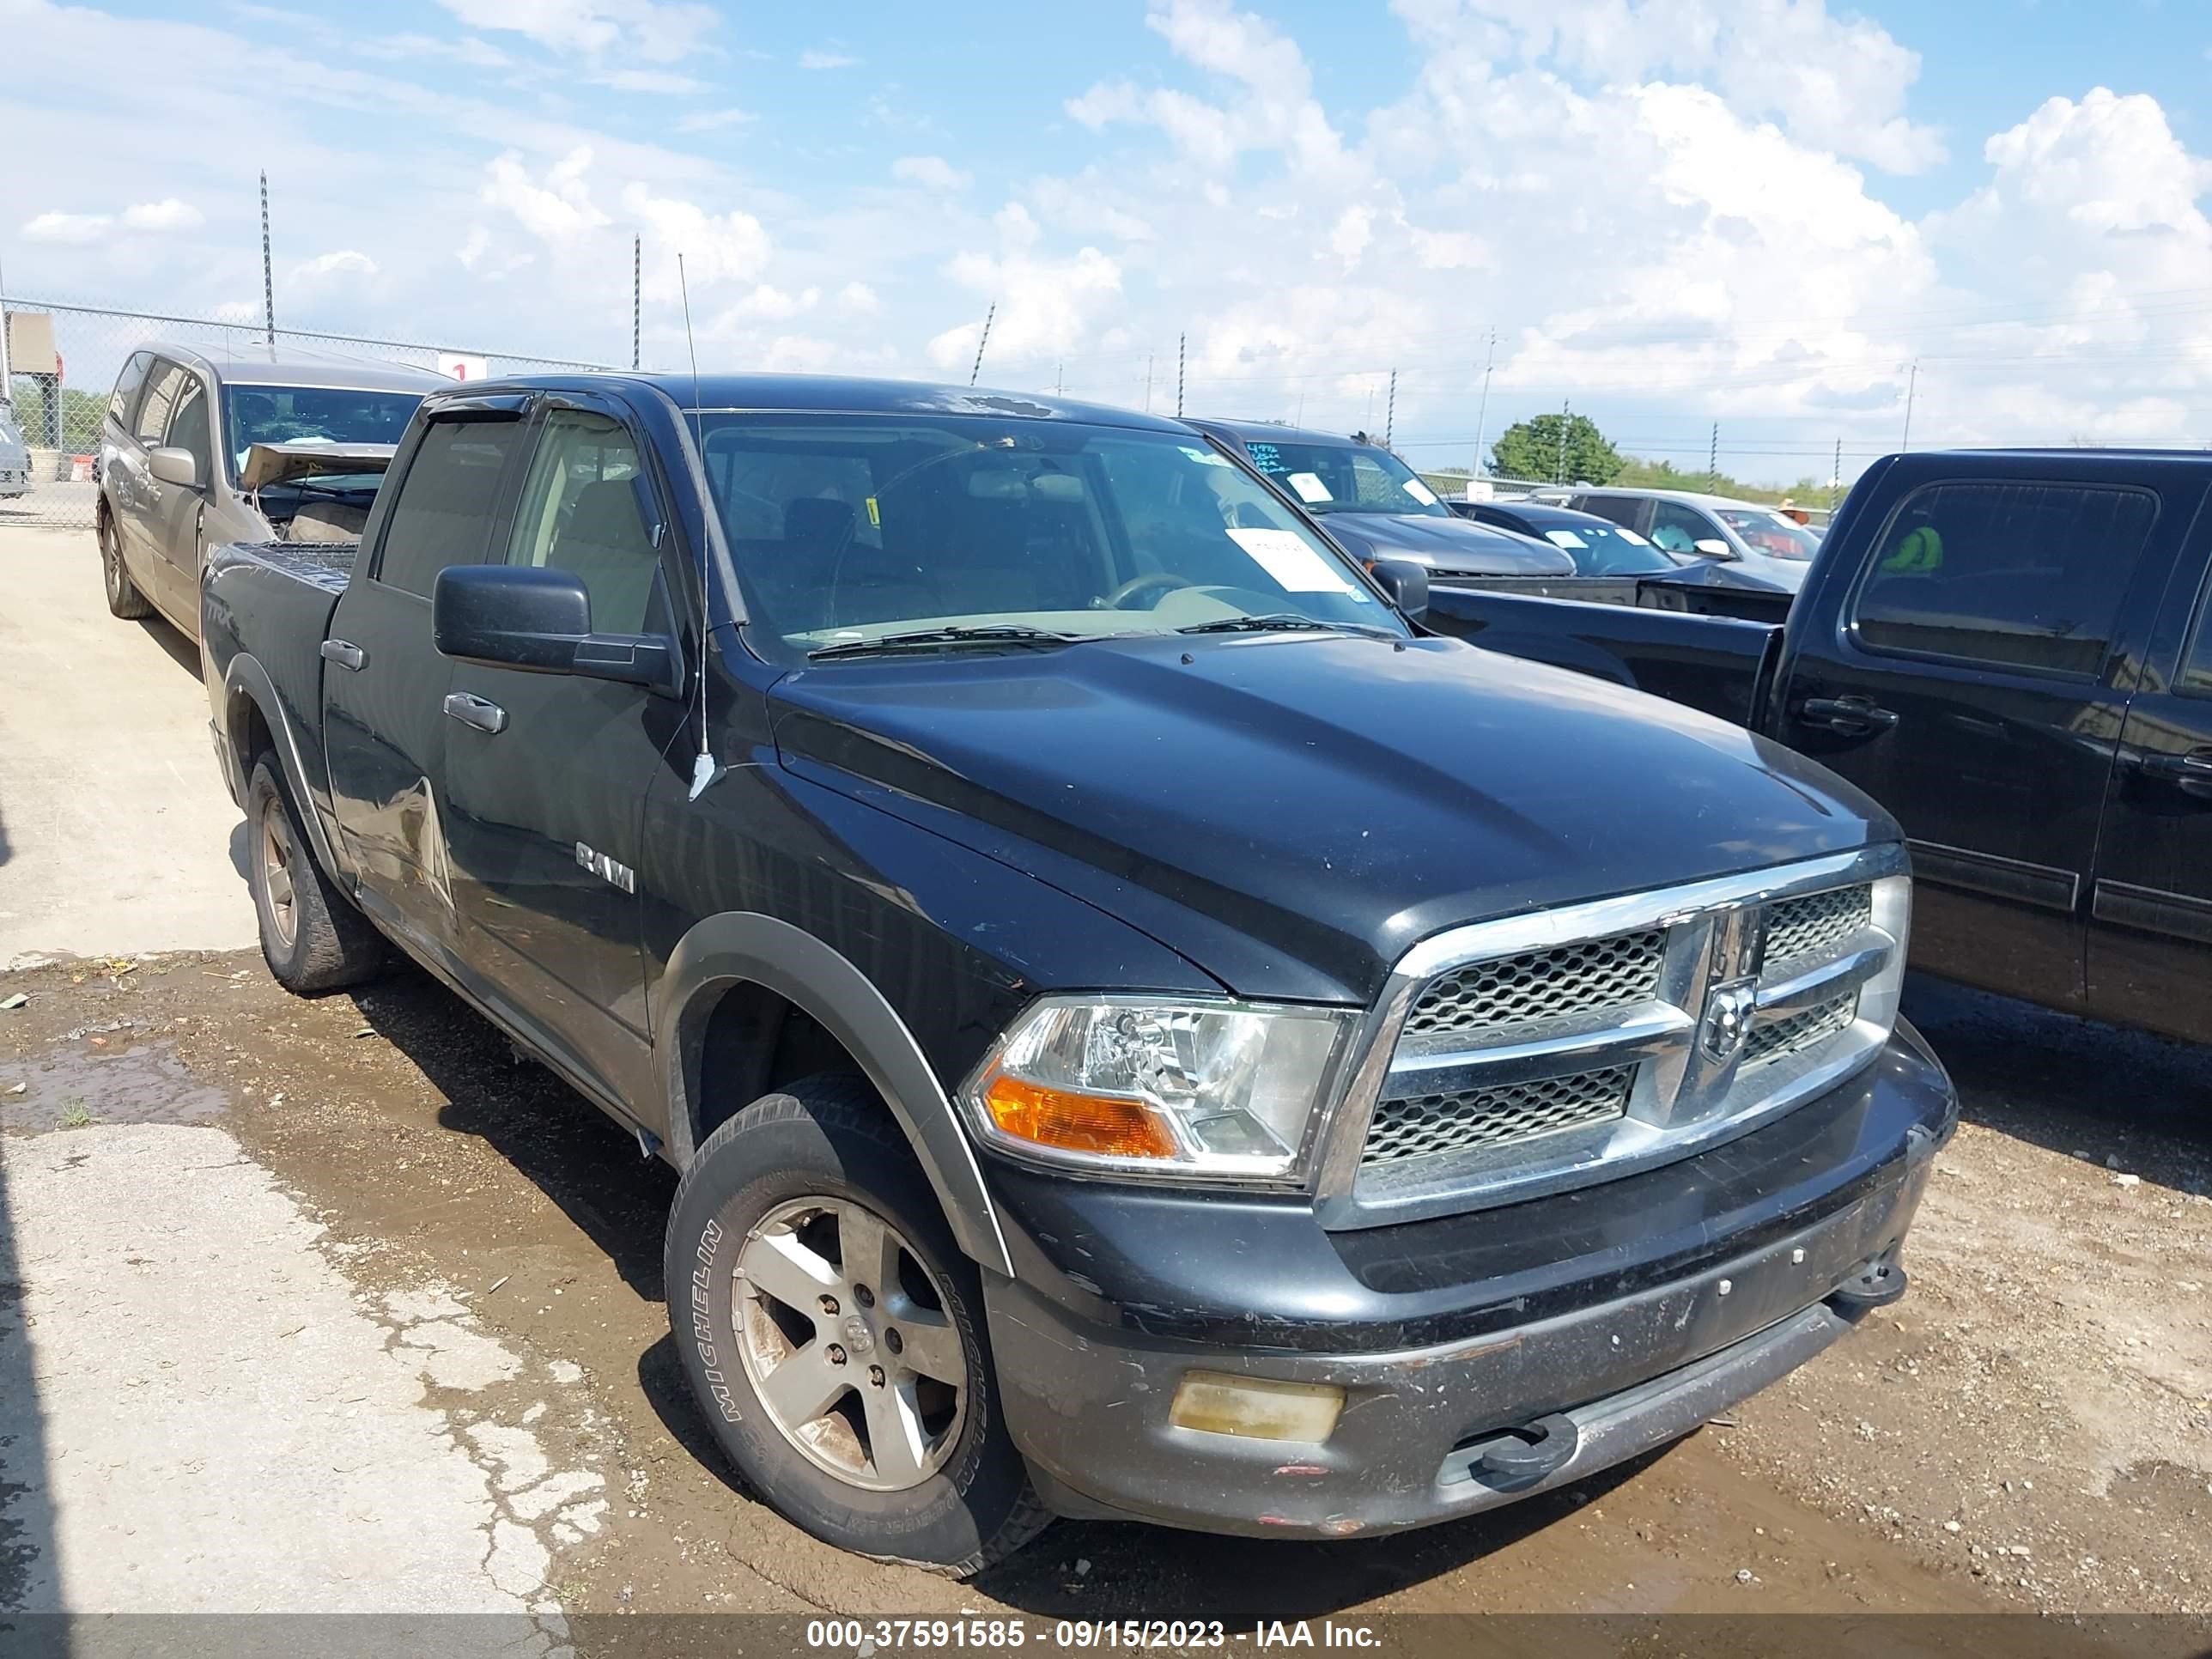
[904,1635]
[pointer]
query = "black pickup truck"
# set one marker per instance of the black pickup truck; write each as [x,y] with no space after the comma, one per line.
[2008,650]
[1145,1030]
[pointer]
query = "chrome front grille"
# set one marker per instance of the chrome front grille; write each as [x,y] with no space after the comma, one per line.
[1518,1111]
[1778,1039]
[1537,985]
[1817,922]
[1547,1050]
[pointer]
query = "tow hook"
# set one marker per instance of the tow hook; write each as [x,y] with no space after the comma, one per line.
[1531,1451]
[1875,1285]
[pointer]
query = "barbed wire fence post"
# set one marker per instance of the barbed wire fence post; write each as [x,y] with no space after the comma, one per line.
[637,294]
[268,271]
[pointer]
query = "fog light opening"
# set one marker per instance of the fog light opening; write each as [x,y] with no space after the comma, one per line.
[1257,1407]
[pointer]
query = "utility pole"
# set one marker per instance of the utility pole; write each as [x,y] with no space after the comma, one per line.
[1836,479]
[268,280]
[1566,416]
[1482,409]
[1390,411]
[983,341]
[636,293]
[1182,342]
[1713,460]
[1911,386]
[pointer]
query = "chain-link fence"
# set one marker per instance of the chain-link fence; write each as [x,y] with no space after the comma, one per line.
[64,360]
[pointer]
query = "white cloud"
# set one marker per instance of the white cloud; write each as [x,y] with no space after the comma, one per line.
[1451,250]
[1833,82]
[69,229]
[557,210]
[717,248]
[660,81]
[168,214]
[657,33]
[859,299]
[473,247]
[341,265]
[930,173]
[1044,305]
[714,120]
[1349,238]
[815,59]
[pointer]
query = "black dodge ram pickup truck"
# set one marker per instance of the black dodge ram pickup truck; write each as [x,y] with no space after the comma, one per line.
[2008,650]
[1146,1030]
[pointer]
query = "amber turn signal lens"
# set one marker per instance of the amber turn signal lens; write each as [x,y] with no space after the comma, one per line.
[1077,1123]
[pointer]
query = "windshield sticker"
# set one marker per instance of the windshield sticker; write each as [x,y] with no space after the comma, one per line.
[875,513]
[1265,457]
[1564,538]
[1203,457]
[1297,568]
[1310,487]
[1630,538]
[1419,491]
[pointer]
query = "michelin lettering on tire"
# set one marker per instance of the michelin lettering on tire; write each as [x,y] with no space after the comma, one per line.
[703,1320]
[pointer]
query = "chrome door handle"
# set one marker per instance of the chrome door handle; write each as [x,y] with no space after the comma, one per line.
[1854,717]
[2191,771]
[345,653]
[472,710]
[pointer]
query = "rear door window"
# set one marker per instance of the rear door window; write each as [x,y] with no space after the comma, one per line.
[124,400]
[443,514]
[1621,509]
[2021,575]
[161,390]
[2196,679]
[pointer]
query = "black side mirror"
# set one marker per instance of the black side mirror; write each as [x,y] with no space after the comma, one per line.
[521,616]
[1407,585]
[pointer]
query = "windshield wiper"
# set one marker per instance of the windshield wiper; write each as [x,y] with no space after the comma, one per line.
[923,638]
[1271,625]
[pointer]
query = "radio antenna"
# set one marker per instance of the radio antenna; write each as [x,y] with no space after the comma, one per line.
[704,768]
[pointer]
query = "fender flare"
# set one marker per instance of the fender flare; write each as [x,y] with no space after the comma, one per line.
[736,947]
[246,678]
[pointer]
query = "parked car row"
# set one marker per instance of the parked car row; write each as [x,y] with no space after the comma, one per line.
[1148,1028]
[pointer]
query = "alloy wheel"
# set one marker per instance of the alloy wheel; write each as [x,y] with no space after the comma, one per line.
[846,1338]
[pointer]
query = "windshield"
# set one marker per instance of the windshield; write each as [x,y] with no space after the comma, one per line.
[1600,549]
[846,528]
[311,414]
[1346,478]
[1769,533]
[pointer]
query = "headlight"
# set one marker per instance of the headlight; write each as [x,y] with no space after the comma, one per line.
[1892,913]
[1131,1086]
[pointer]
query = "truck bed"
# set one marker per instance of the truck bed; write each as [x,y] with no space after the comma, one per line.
[1719,664]
[265,611]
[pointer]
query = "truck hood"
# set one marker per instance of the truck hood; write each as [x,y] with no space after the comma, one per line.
[1455,544]
[1291,812]
[274,464]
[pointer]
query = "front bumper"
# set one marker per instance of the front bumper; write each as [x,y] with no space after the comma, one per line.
[1642,1308]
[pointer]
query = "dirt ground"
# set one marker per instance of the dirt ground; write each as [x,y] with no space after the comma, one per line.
[2031,1429]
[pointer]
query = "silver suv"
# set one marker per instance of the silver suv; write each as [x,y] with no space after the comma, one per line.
[202,445]
[1688,527]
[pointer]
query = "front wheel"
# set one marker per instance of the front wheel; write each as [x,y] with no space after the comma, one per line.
[124,598]
[834,1335]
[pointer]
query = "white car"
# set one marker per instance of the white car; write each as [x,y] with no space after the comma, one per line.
[14,455]
[1689,526]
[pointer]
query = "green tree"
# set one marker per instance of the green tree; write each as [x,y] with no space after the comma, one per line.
[1531,449]
[82,413]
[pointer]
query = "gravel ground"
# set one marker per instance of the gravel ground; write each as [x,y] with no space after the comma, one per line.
[2031,1429]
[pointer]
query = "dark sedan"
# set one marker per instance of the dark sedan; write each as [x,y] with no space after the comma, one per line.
[1598,546]
[1376,506]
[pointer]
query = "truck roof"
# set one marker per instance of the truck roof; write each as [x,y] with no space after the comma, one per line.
[1279,432]
[844,395]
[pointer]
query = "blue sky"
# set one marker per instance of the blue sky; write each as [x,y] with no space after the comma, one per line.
[1674,213]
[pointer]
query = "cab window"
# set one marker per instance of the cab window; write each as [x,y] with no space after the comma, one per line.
[587,509]
[443,513]
[188,427]
[2020,575]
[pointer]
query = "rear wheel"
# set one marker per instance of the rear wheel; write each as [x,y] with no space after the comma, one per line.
[834,1335]
[311,937]
[124,598]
